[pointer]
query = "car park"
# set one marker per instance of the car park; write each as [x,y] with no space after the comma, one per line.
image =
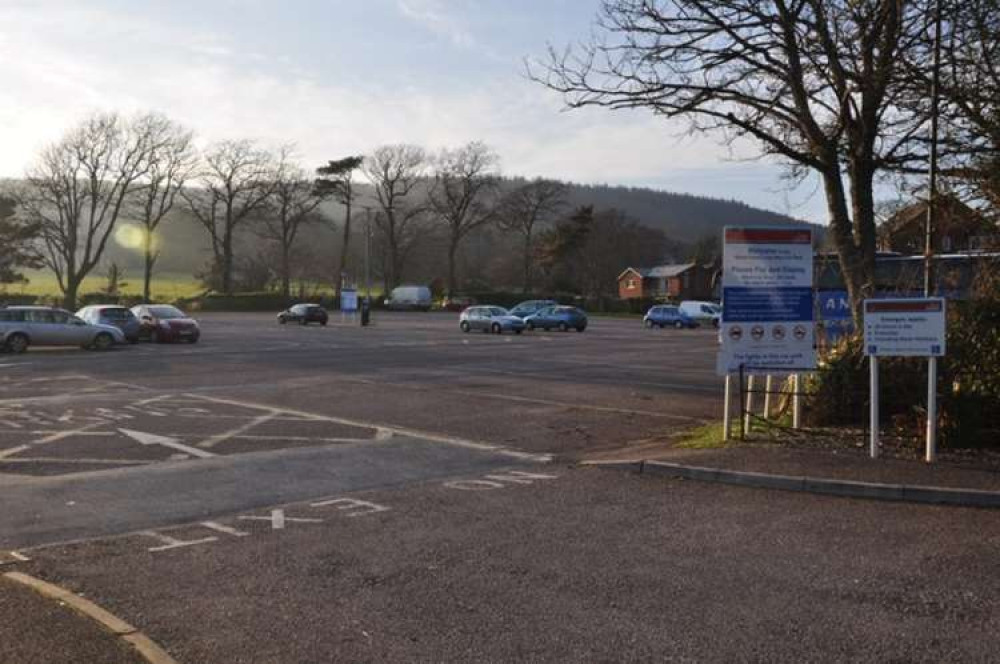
[666,315]
[165,323]
[409,298]
[529,307]
[303,314]
[490,319]
[706,313]
[559,317]
[24,326]
[114,315]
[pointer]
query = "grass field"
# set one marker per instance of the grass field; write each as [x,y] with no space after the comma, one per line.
[166,286]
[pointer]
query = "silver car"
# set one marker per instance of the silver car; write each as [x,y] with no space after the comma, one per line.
[490,319]
[21,327]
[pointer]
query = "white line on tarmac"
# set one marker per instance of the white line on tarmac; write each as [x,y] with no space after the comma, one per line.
[144,438]
[82,461]
[412,433]
[212,441]
[224,529]
[11,451]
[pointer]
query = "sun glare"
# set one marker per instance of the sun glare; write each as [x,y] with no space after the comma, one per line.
[130,236]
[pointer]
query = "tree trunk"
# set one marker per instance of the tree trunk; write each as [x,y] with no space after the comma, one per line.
[227,263]
[286,273]
[342,263]
[852,264]
[452,279]
[147,271]
[70,294]
[527,263]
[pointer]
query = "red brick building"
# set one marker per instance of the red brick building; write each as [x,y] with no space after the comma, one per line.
[688,281]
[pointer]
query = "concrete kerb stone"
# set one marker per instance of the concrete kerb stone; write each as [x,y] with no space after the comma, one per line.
[145,646]
[823,486]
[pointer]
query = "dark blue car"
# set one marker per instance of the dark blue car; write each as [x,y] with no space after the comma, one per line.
[668,316]
[560,317]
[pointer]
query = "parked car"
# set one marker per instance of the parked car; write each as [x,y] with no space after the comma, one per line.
[560,317]
[457,303]
[409,298]
[115,315]
[162,323]
[529,307]
[23,326]
[490,319]
[706,313]
[303,314]
[664,315]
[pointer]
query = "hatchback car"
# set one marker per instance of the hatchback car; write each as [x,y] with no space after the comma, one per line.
[668,316]
[21,327]
[163,323]
[529,307]
[303,314]
[560,317]
[490,319]
[115,315]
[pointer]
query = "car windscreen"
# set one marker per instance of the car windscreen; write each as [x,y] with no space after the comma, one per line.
[116,313]
[167,312]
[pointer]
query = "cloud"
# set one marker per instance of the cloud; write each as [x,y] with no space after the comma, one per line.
[433,16]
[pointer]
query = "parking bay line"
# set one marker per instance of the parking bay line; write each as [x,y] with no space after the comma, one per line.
[382,429]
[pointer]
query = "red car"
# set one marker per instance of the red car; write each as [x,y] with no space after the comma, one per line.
[163,323]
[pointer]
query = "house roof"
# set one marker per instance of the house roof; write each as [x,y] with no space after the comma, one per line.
[658,272]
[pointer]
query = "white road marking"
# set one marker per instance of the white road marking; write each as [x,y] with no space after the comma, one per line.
[474,485]
[153,439]
[172,542]
[224,529]
[11,451]
[212,441]
[77,460]
[399,431]
[354,506]
[278,519]
[19,557]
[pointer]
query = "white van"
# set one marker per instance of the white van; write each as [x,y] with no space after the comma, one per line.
[409,298]
[706,313]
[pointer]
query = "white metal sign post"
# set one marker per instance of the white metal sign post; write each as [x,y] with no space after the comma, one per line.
[767,296]
[905,327]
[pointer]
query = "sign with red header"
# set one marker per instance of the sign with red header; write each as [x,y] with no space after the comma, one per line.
[767,301]
[905,327]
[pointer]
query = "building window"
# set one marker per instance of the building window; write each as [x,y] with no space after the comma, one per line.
[630,284]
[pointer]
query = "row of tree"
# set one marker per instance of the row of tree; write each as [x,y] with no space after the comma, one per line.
[146,170]
[849,90]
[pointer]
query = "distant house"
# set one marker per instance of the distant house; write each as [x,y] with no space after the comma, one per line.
[687,281]
[957,228]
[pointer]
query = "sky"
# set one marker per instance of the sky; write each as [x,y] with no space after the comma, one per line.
[340,77]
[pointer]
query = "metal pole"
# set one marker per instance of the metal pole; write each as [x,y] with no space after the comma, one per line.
[368,252]
[932,366]
[768,386]
[932,194]
[749,408]
[796,401]
[726,416]
[873,365]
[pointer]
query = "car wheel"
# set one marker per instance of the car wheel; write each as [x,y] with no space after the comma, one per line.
[648,324]
[531,325]
[154,337]
[496,328]
[563,327]
[303,322]
[581,329]
[17,343]
[679,325]
[464,325]
[323,323]
[715,323]
[102,341]
[281,320]
[517,331]
[193,340]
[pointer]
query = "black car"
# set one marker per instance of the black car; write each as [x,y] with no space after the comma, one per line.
[304,314]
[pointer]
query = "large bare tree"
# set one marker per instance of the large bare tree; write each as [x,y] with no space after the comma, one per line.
[79,188]
[396,172]
[337,179]
[18,239]
[171,161]
[815,82]
[235,181]
[294,203]
[463,196]
[524,210]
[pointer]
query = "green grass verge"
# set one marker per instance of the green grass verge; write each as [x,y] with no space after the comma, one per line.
[707,436]
[166,286]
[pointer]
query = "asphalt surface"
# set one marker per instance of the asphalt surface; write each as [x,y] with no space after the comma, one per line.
[408,493]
